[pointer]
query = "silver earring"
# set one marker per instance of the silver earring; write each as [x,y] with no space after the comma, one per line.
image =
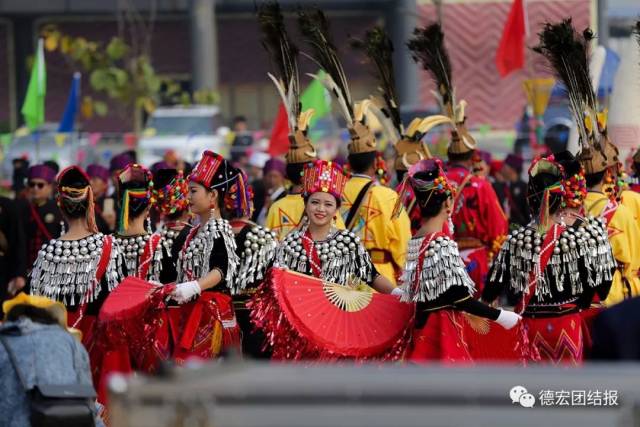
[63,230]
[149,230]
[451,226]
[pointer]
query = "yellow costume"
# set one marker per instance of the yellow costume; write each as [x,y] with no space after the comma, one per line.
[631,200]
[624,236]
[385,237]
[285,214]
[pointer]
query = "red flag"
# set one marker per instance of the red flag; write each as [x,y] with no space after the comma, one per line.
[510,54]
[279,141]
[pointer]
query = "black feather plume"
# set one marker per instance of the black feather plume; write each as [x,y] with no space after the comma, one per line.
[379,49]
[314,27]
[283,53]
[568,53]
[427,47]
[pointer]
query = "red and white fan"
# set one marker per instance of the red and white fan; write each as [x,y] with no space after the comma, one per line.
[307,318]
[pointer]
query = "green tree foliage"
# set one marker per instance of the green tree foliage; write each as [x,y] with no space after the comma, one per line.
[120,73]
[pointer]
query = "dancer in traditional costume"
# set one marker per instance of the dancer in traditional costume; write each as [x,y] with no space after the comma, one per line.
[207,267]
[319,248]
[194,318]
[568,53]
[141,345]
[368,207]
[320,251]
[408,144]
[435,277]
[256,248]
[285,214]
[480,224]
[81,267]
[555,266]
[171,198]
[134,192]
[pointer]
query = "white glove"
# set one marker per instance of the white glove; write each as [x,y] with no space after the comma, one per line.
[398,292]
[186,291]
[508,319]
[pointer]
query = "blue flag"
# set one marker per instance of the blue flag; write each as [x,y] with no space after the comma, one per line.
[73,103]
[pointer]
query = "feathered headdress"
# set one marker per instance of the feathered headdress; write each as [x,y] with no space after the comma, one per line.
[427,47]
[568,53]
[409,146]
[284,56]
[315,29]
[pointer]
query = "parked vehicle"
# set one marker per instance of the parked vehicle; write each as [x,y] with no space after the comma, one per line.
[188,131]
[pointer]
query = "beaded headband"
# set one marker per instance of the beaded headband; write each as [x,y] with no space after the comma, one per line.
[550,166]
[133,173]
[172,197]
[323,176]
[239,198]
[438,185]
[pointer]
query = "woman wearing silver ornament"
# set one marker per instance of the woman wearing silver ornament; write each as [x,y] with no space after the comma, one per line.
[81,267]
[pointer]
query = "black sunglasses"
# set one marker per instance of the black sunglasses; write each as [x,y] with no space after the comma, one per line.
[39,185]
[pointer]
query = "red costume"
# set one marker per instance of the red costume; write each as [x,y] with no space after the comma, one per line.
[480,224]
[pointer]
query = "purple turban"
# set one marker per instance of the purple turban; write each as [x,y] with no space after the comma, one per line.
[277,165]
[43,172]
[157,166]
[515,161]
[98,171]
[485,156]
[120,162]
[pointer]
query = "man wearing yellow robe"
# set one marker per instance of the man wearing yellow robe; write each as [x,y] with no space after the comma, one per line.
[386,237]
[624,231]
[624,236]
[631,200]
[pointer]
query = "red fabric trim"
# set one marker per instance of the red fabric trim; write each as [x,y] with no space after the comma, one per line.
[144,263]
[104,258]
[548,245]
[312,254]
[100,272]
[610,211]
